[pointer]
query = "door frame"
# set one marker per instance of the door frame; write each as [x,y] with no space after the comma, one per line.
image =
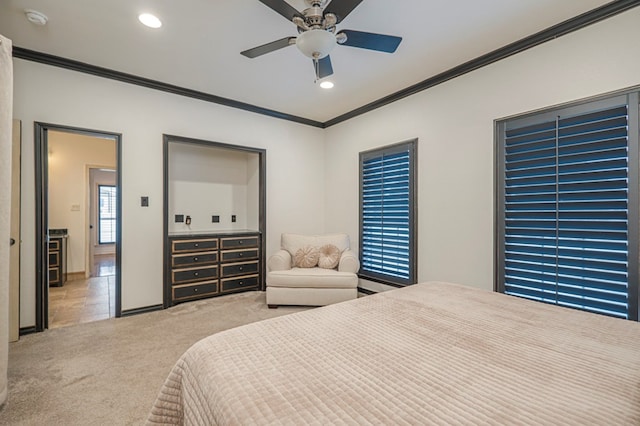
[167,140]
[41,144]
[91,215]
[16,232]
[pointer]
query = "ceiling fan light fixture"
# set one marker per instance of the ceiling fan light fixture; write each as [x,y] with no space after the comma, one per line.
[326,84]
[149,20]
[316,44]
[317,37]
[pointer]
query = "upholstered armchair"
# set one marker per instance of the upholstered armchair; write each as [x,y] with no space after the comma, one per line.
[312,270]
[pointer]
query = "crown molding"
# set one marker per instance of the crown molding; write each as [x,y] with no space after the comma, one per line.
[563,28]
[70,64]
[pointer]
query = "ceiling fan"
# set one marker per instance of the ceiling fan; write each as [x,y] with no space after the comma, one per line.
[317,33]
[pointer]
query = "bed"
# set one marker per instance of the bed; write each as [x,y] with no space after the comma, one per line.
[432,353]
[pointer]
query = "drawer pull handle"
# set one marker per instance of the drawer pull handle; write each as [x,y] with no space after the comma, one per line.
[196,244]
[241,283]
[240,242]
[195,274]
[195,259]
[241,254]
[240,268]
[195,290]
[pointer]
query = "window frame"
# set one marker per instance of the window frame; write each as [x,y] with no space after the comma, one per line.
[412,147]
[631,97]
[100,219]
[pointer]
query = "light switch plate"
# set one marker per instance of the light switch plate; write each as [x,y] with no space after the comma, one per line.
[144,201]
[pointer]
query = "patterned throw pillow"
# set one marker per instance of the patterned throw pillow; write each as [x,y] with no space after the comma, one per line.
[306,257]
[329,256]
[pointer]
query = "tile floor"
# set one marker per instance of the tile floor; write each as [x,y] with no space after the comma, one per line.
[85,300]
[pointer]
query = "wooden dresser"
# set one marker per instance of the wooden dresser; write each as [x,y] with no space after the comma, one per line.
[207,265]
[57,254]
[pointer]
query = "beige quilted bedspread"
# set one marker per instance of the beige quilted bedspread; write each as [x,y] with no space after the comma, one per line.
[433,353]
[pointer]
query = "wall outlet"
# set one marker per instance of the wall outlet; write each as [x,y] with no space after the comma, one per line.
[179,218]
[215,219]
[233,218]
[144,201]
[75,207]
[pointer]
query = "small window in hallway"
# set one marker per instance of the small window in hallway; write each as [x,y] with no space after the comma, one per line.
[107,214]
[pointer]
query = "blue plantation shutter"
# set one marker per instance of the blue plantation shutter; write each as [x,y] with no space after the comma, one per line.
[386,214]
[566,211]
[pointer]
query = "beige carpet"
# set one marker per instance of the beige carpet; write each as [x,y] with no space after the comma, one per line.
[109,372]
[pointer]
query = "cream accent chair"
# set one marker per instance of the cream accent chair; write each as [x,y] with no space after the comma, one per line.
[289,285]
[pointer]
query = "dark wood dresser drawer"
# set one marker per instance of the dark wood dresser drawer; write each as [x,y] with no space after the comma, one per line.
[179,276]
[238,255]
[243,268]
[54,276]
[239,242]
[201,244]
[193,291]
[54,258]
[194,259]
[243,283]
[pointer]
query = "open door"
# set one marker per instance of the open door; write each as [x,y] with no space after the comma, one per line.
[14,251]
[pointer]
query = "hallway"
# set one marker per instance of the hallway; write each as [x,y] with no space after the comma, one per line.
[85,300]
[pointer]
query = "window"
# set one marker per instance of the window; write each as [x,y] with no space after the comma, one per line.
[568,206]
[106,214]
[388,214]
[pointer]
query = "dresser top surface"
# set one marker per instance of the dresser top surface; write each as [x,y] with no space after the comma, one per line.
[222,233]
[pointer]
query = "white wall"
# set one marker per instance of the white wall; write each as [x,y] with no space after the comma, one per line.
[455,126]
[295,162]
[69,156]
[206,181]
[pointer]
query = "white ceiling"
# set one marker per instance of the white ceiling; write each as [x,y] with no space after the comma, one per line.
[200,42]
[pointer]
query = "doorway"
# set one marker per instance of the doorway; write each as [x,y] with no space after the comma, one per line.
[71,287]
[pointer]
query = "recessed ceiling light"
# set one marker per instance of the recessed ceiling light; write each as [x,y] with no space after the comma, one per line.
[326,85]
[150,20]
[36,17]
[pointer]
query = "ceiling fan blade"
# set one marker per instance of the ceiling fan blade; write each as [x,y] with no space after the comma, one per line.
[341,8]
[267,48]
[324,68]
[282,7]
[371,41]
